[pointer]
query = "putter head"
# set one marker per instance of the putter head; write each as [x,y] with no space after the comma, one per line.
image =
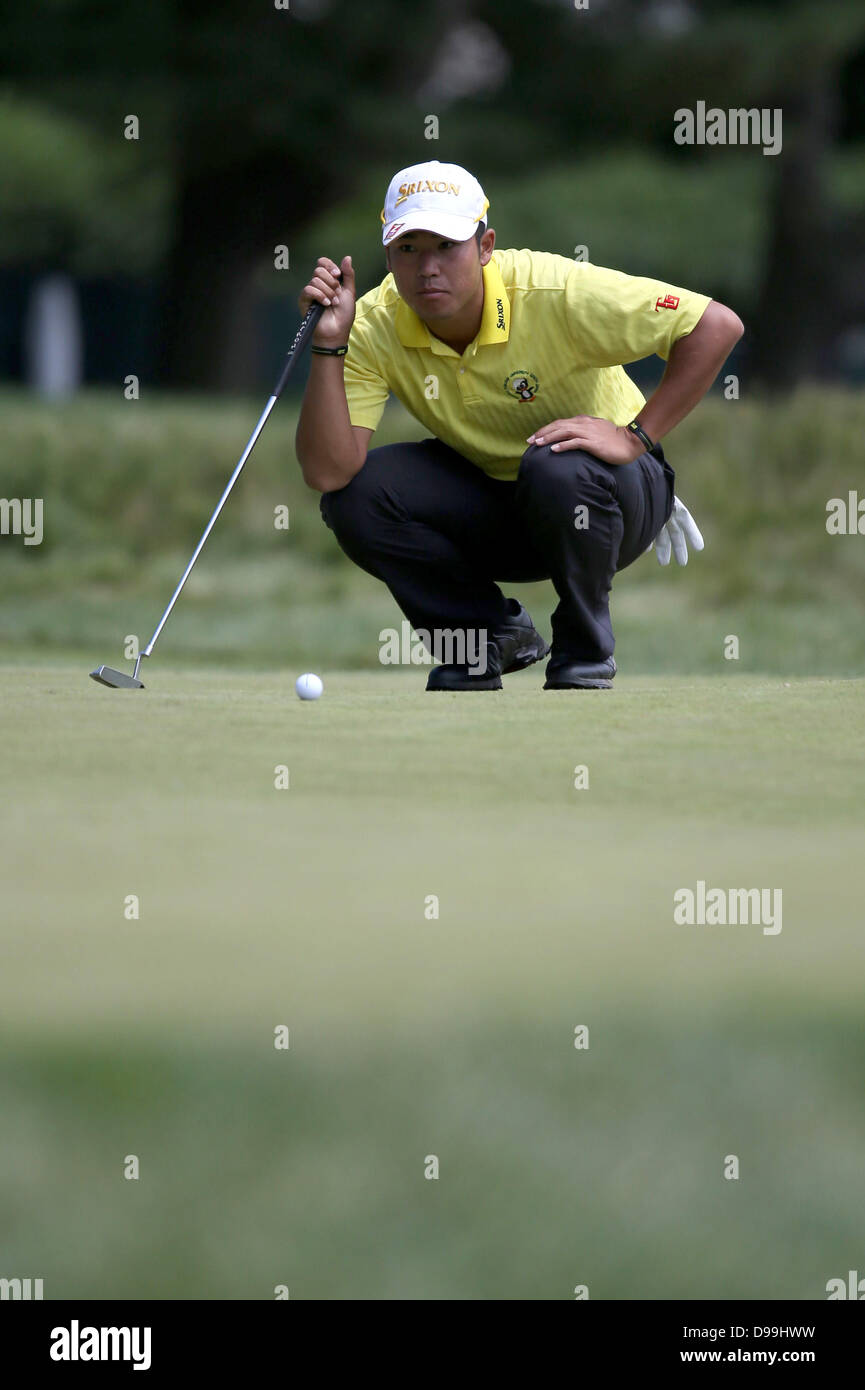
[118,680]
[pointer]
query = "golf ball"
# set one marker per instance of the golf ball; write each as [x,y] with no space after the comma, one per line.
[309,686]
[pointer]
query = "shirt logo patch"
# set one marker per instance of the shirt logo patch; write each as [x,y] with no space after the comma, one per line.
[500,311]
[523,386]
[670,301]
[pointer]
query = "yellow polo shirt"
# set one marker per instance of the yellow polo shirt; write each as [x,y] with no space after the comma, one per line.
[553,339]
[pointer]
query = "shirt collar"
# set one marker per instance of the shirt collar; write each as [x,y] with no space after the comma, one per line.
[495,318]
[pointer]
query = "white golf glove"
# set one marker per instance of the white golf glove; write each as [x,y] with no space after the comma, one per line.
[680,531]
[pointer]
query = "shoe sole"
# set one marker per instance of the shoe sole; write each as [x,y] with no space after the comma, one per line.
[460,689]
[578,685]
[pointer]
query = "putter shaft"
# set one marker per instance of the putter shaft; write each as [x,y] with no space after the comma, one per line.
[209,527]
[106,675]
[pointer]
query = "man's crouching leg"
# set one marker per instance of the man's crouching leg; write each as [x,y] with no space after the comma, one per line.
[590,519]
[417,517]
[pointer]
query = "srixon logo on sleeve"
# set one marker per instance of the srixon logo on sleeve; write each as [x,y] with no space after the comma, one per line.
[76,1343]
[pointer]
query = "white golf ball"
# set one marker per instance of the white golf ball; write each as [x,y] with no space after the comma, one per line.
[309,686]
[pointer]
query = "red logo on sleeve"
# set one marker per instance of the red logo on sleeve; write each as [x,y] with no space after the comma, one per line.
[670,301]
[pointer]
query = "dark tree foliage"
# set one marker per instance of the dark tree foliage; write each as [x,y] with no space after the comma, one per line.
[266,116]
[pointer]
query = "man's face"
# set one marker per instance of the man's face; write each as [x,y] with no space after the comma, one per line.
[438,278]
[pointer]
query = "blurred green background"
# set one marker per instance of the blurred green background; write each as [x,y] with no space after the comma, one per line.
[260,129]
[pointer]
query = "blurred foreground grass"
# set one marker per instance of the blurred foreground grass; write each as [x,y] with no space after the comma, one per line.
[128,487]
[409,1036]
[557,1168]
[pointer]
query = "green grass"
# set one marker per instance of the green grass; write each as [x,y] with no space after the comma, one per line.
[128,487]
[305,907]
[410,1036]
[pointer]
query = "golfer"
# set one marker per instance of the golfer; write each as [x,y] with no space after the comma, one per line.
[544,460]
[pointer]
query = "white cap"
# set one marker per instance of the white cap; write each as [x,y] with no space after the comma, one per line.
[433,197]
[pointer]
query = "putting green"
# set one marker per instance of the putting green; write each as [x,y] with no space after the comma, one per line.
[415,1034]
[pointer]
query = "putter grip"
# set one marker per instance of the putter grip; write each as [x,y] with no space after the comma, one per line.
[301,338]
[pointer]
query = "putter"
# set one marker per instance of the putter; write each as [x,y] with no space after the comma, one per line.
[121,680]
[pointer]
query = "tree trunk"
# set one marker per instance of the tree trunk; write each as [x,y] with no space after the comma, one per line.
[797,313]
[207,330]
[228,223]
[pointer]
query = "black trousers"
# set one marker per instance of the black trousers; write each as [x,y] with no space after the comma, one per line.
[440,533]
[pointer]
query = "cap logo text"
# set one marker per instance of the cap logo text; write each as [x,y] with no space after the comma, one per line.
[406,190]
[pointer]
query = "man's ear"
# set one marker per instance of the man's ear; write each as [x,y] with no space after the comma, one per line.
[488,241]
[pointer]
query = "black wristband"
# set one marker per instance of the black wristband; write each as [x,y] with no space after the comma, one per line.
[330,352]
[641,435]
